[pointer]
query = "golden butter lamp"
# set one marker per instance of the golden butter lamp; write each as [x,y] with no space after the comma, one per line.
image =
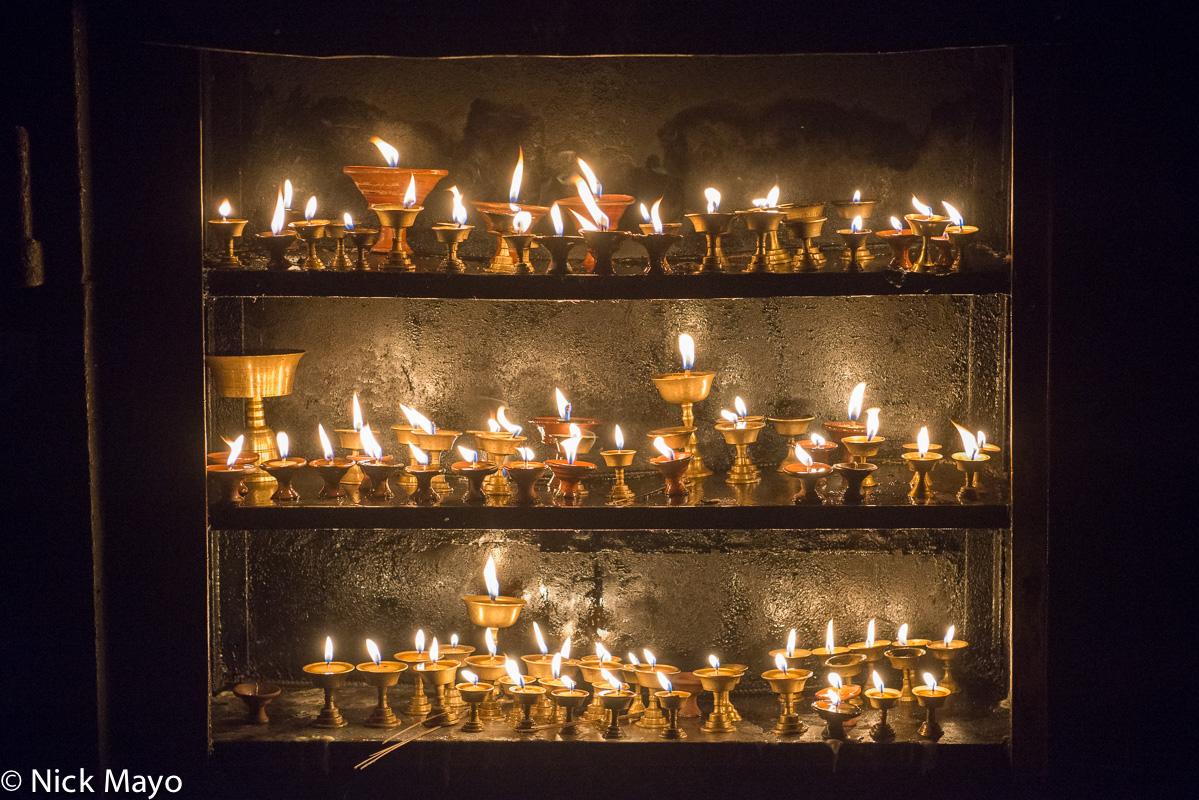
[646,677]
[762,223]
[835,715]
[524,696]
[848,209]
[569,700]
[329,675]
[337,232]
[788,684]
[809,475]
[559,248]
[331,472]
[519,244]
[671,701]
[861,448]
[226,230]
[790,428]
[493,610]
[960,237]
[277,245]
[855,243]
[931,697]
[362,239]
[847,666]
[425,475]
[435,443]
[713,226]
[253,376]
[947,652]
[873,650]
[309,230]
[613,207]
[489,668]
[452,236]
[614,702]
[743,470]
[673,471]
[628,674]
[404,437]
[684,389]
[591,668]
[498,446]
[349,439]
[219,459]
[381,675]
[399,219]
[437,675]
[473,694]
[619,460]
[525,475]
[657,245]
[971,468]
[883,700]
[379,472]
[601,246]
[225,482]
[927,227]
[418,704]
[719,681]
[455,652]
[838,430]
[854,476]
[570,476]
[805,221]
[906,659]
[498,217]
[914,447]
[474,472]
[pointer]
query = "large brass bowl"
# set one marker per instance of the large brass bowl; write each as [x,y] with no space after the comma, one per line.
[269,373]
[498,613]
[734,435]
[684,387]
[791,426]
[675,438]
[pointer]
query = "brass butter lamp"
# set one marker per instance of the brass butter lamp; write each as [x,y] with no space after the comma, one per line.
[720,681]
[882,699]
[931,697]
[671,702]
[657,238]
[558,245]
[381,674]
[927,226]
[619,460]
[788,683]
[867,446]
[763,222]
[309,230]
[226,230]
[921,463]
[492,610]
[806,230]
[947,651]
[960,235]
[714,224]
[329,675]
[849,210]
[390,184]
[684,389]
[740,431]
[490,668]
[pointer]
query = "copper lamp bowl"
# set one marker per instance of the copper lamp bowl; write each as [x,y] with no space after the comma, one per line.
[386,185]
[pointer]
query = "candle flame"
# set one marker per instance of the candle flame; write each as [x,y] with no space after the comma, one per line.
[522,221]
[714,661]
[870,634]
[225,209]
[981,439]
[563,404]
[421,456]
[791,643]
[493,426]
[284,443]
[328,649]
[921,207]
[517,174]
[277,219]
[514,672]
[434,650]
[593,183]
[418,420]
[357,413]
[687,351]
[470,676]
[410,194]
[459,213]
[896,224]
[953,213]
[235,450]
[373,649]
[632,658]
[565,651]
[540,639]
[857,195]
[600,218]
[348,220]
[468,454]
[556,217]
[816,440]
[288,194]
[454,640]
[650,658]
[370,444]
[661,446]
[526,453]
[655,217]
[739,404]
[556,665]
[619,437]
[615,683]
[602,653]
[582,222]
[390,154]
[326,445]
[828,638]
[713,198]
[728,415]
[930,681]
[969,443]
[513,430]
[489,640]
[780,663]
[802,455]
[310,209]
[645,213]
[871,423]
[878,681]
[922,441]
[568,683]
[856,225]
[570,447]
[855,401]
[834,694]
[420,640]
[491,579]
[903,635]
[770,200]
[949,635]
[835,681]
[664,682]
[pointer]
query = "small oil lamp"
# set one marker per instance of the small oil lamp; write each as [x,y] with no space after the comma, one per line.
[901,240]
[819,449]
[452,235]
[493,610]
[719,681]
[220,458]
[418,704]
[648,676]
[337,232]
[569,471]
[884,700]
[226,231]
[331,469]
[834,713]
[851,209]
[284,469]
[558,246]
[906,658]
[805,221]
[277,240]
[519,240]
[379,469]
[970,462]
[491,668]
[657,239]
[959,235]
[310,229]
[474,471]
[226,479]
[592,669]
[850,426]
[615,699]
[946,651]
[399,218]
[423,472]
[257,696]
[791,428]
[432,439]
[871,648]
[926,225]
[524,693]
[456,652]
[861,448]
[386,185]
[684,389]
[673,465]
[501,219]
[787,683]
[793,656]
[525,473]
[362,239]
[629,673]
[854,476]
[351,439]
[569,700]
[619,459]
[847,666]
[612,206]
[763,222]
[502,439]
[549,672]
[830,648]
[329,675]
[381,674]
[670,701]
[713,224]
[437,674]
[854,237]
[931,697]
[647,225]
[473,693]
[740,432]
[809,473]
[602,242]
[922,463]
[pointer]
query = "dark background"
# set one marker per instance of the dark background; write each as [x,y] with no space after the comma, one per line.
[1121,347]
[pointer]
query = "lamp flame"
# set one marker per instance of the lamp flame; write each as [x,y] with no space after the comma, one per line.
[513,430]
[896,224]
[556,217]
[602,653]
[713,197]
[855,401]
[714,661]
[633,658]
[780,663]
[491,579]
[969,443]
[418,420]
[370,444]
[650,658]
[556,665]
[802,455]
[390,154]
[522,221]
[526,453]
[816,440]
[981,439]
[493,426]
[922,441]
[565,651]
[420,640]
[373,649]
[357,413]
[326,445]
[791,643]
[235,450]
[434,650]
[277,219]
[857,195]
[421,456]
[655,217]
[568,683]
[834,694]
[410,194]
[540,639]
[728,415]
[570,447]
[687,351]
[739,404]
[645,213]
[310,209]
[328,649]
[953,213]
[225,209]
[514,673]
[619,437]
[582,222]
[949,635]
[930,681]
[459,213]
[601,219]
[284,443]
[470,676]
[770,200]
[616,684]
[870,634]
[871,423]
[517,174]
[828,638]
[563,404]
[593,183]
[454,640]
[489,640]
[468,454]
[664,682]
[348,220]
[921,207]
[661,446]
[288,194]
[856,225]
[878,681]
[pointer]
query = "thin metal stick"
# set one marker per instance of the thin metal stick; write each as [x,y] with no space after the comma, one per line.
[379,754]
